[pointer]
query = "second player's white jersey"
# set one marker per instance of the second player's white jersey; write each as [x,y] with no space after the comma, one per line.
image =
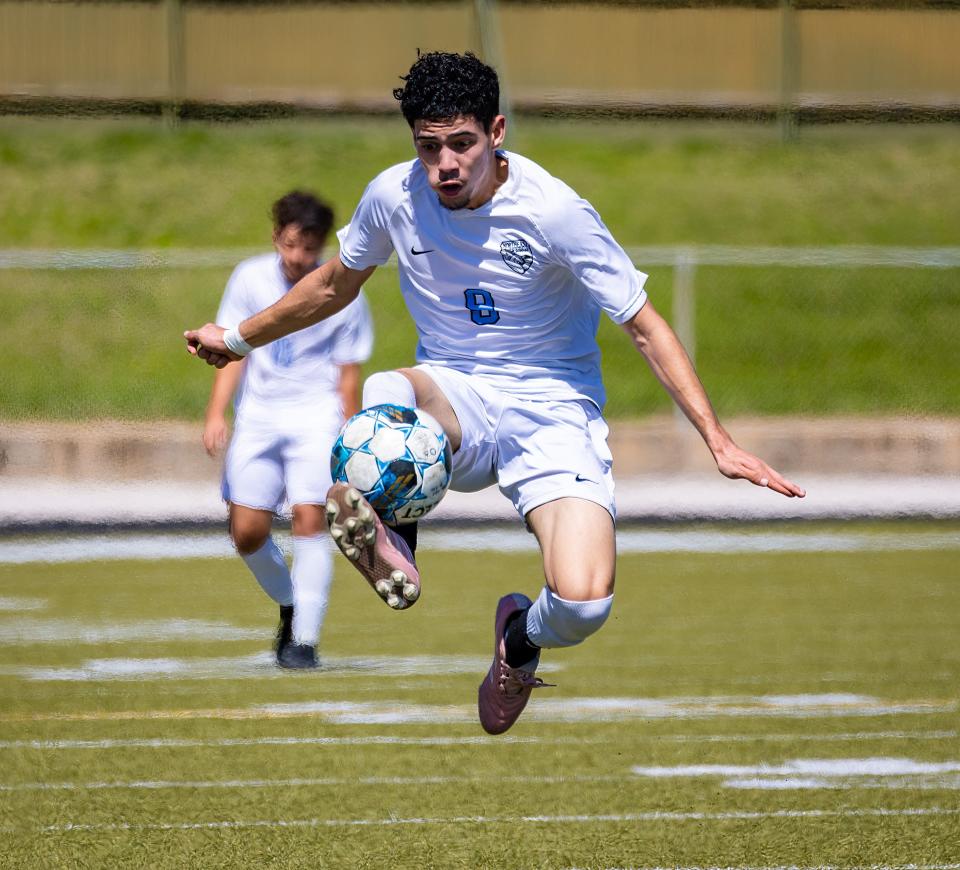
[511,291]
[288,380]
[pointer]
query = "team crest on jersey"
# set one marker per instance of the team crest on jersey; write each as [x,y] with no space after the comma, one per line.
[517,255]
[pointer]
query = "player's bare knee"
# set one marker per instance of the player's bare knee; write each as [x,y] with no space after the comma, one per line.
[309,520]
[554,621]
[248,540]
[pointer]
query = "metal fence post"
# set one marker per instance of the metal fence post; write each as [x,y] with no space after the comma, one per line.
[684,309]
[491,49]
[175,62]
[789,71]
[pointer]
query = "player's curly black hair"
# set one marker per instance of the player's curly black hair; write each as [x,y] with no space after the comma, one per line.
[303,208]
[442,85]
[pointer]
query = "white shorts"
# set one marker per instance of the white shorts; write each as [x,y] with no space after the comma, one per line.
[535,451]
[267,469]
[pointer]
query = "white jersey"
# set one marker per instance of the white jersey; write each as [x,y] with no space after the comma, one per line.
[510,291]
[286,380]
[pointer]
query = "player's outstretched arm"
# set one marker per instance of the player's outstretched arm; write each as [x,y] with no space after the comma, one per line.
[664,353]
[325,291]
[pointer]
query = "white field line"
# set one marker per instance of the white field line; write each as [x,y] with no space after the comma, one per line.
[798,867]
[261,665]
[384,740]
[823,767]
[919,783]
[600,818]
[573,710]
[18,605]
[886,783]
[576,710]
[151,785]
[80,548]
[852,736]
[820,773]
[29,631]
[370,740]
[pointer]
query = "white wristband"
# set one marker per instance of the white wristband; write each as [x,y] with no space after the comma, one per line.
[235,343]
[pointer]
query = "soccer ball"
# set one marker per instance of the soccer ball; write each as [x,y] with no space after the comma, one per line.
[398,458]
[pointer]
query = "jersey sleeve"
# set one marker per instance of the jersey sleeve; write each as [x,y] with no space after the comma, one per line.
[583,244]
[366,241]
[235,305]
[354,341]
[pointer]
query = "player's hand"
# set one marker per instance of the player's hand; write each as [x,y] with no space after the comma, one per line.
[207,343]
[737,463]
[215,434]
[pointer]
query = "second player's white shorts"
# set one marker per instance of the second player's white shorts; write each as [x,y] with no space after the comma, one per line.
[268,468]
[535,451]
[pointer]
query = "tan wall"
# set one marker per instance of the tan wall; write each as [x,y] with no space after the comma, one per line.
[892,54]
[352,54]
[67,49]
[634,55]
[325,54]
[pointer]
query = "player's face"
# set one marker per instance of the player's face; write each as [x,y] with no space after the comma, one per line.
[299,251]
[460,159]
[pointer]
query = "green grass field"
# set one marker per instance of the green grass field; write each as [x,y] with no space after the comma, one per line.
[91,344]
[794,707]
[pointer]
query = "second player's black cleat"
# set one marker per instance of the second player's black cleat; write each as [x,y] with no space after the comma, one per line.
[408,532]
[284,629]
[298,656]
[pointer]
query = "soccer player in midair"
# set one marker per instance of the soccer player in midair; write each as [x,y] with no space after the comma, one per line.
[293,397]
[505,271]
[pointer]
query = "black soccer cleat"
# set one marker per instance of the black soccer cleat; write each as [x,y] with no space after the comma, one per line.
[298,656]
[284,629]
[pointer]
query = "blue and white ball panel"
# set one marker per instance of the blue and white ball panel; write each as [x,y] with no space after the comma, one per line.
[398,457]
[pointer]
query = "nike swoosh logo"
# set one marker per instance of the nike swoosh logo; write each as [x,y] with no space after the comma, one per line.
[415,252]
[581,479]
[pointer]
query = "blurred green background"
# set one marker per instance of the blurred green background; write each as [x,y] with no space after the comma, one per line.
[770,340]
[749,124]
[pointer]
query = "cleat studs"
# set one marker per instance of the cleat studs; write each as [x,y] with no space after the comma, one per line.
[333,510]
[351,552]
[411,592]
[370,536]
[384,588]
[353,497]
[364,514]
[395,601]
[336,533]
[351,524]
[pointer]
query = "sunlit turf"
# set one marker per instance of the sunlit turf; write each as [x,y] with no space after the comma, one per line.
[710,634]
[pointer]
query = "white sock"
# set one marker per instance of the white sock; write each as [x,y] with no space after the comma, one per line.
[388,388]
[312,575]
[271,571]
[553,621]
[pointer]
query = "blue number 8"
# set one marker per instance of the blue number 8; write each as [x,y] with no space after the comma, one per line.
[482,310]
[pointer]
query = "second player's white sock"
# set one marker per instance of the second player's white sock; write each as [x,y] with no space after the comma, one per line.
[388,388]
[268,566]
[312,575]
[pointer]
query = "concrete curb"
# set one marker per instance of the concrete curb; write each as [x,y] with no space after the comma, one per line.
[138,475]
